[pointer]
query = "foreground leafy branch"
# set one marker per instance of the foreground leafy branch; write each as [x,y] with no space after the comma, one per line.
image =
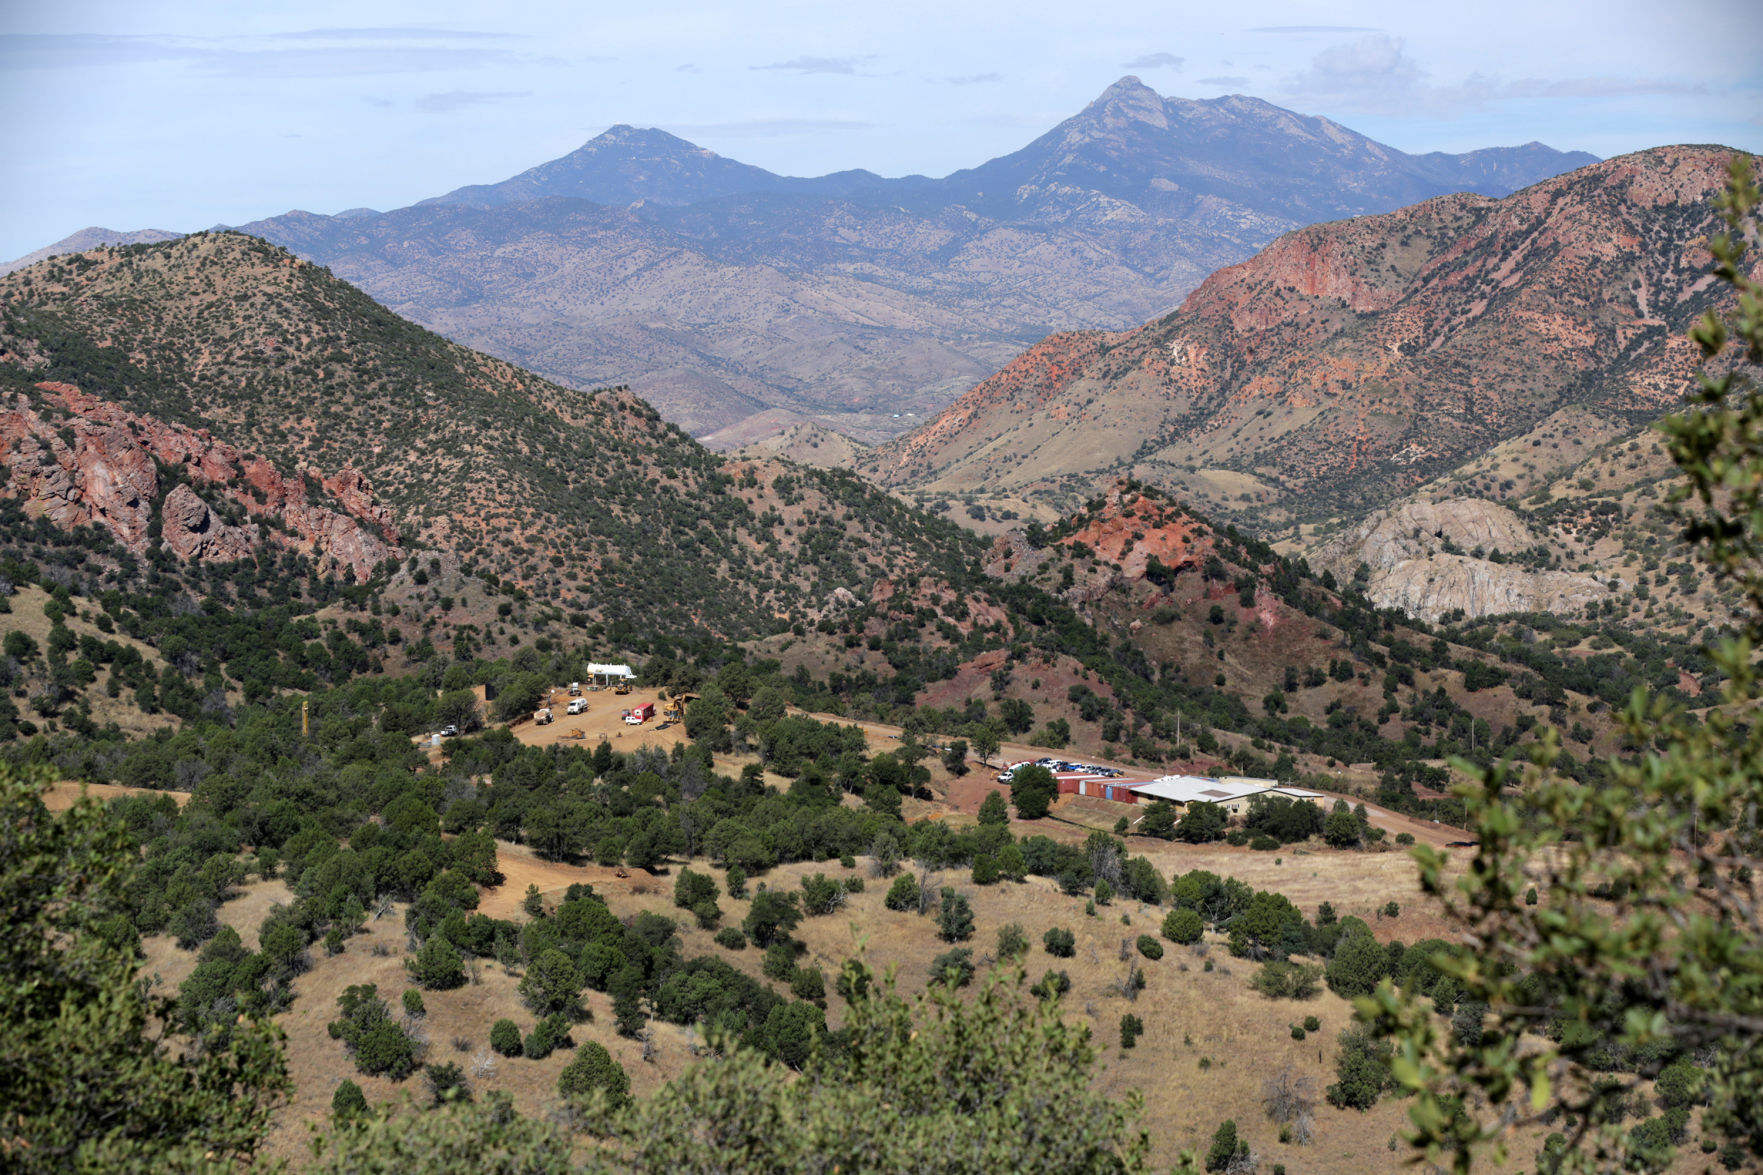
[1648,942]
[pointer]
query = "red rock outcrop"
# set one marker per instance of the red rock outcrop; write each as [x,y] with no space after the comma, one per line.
[79,459]
[1350,362]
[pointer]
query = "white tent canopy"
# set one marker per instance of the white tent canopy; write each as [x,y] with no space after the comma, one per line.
[597,670]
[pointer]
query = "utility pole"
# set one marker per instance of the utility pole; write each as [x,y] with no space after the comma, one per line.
[305,719]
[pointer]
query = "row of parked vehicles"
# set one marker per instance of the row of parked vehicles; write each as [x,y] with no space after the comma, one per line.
[1060,767]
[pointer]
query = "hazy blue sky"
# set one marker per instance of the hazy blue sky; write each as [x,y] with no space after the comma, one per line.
[180,114]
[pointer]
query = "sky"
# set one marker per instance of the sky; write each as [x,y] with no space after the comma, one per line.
[183,114]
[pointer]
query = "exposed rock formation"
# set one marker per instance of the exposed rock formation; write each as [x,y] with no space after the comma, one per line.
[1414,553]
[78,459]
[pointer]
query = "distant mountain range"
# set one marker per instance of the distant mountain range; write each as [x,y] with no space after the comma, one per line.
[1352,362]
[740,302]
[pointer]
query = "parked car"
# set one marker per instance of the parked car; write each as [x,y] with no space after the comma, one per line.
[578,706]
[449,731]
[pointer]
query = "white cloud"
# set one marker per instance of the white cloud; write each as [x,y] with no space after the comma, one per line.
[975,79]
[845,65]
[1154,61]
[1224,80]
[1375,75]
[399,53]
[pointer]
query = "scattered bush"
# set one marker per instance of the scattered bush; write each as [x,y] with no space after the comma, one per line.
[731,938]
[954,966]
[903,894]
[1183,926]
[1060,943]
[348,1103]
[437,965]
[808,983]
[1362,1069]
[594,1071]
[446,1083]
[1150,947]
[505,1038]
[1131,1028]
[954,917]
[1012,941]
[1279,980]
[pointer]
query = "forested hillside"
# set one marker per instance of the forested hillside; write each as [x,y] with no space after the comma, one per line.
[586,502]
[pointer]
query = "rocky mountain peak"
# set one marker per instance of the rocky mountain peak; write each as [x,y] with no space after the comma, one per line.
[1127,101]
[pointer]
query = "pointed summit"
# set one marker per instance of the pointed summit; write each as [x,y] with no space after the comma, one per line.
[1127,100]
[624,164]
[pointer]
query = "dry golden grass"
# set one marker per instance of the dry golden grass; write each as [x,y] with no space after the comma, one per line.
[27,617]
[1189,1013]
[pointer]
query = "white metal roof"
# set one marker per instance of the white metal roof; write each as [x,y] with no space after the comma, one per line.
[1189,789]
[598,670]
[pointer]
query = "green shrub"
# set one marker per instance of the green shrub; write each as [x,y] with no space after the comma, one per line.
[1012,941]
[808,984]
[1225,1148]
[437,965]
[780,962]
[1150,947]
[348,1103]
[413,1005]
[903,894]
[1131,1028]
[954,966]
[505,1038]
[1183,926]
[954,917]
[1362,1070]
[446,1082]
[593,1070]
[1283,980]
[731,938]
[1060,943]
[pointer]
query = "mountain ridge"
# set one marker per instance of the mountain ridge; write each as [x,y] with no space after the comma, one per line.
[1400,342]
[721,292]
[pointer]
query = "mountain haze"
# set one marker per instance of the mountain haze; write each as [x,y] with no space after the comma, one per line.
[721,292]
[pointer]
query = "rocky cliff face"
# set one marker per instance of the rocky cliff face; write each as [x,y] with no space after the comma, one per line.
[1422,558]
[79,460]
